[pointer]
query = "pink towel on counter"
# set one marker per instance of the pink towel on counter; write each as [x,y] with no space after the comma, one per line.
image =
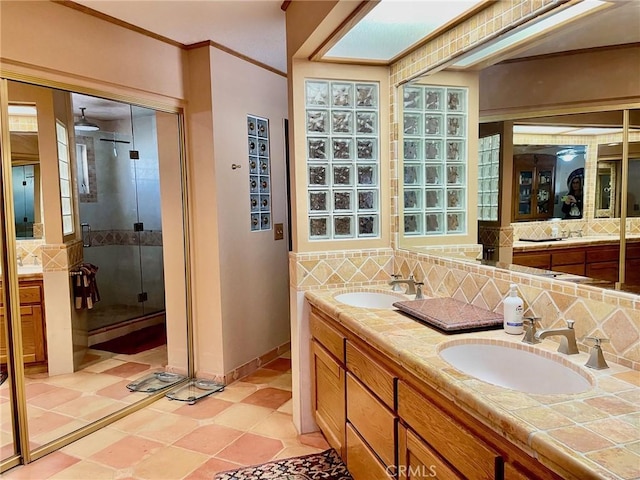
[85,287]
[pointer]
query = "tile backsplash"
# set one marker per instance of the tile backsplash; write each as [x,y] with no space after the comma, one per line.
[597,312]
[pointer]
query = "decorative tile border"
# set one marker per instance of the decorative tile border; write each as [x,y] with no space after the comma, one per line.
[146,238]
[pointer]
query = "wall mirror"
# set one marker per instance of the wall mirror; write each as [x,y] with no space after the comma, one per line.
[577,129]
[108,189]
[25,163]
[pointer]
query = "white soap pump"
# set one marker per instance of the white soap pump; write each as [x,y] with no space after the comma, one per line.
[513,310]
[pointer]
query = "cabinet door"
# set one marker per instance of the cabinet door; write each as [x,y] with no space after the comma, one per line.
[524,182]
[416,459]
[534,191]
[544,190]
[33,342]
[328,396]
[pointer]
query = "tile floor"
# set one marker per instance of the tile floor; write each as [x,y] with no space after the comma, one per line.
[248,423]
[60,404]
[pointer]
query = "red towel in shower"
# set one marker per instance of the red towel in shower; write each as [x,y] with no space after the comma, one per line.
[85,287]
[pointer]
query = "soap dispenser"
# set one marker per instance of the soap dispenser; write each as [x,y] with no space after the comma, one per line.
[513,310]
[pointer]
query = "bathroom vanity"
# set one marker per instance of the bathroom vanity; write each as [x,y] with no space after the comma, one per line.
[33,324]
[393,408]
[594,257]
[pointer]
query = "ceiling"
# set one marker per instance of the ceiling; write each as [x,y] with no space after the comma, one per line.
[256,28]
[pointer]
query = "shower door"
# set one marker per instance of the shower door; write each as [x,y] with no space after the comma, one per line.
[120,215]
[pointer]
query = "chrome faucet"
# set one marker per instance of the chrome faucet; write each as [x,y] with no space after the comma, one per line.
[411,284]
[568,344]
[19,259]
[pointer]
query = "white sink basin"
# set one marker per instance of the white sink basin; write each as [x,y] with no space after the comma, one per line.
[369,299]
[522,370]
[29,269]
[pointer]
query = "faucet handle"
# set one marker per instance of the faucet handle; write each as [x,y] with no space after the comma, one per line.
[597,341]
[570,323]
[596,358]
[531,324]
[419,294]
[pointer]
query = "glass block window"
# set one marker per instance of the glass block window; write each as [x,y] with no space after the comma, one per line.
[434,153]
[64,172]
[488,178]
[259,172]
[343,162]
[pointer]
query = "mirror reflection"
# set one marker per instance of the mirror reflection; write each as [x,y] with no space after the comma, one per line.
[549,156]
[91,182]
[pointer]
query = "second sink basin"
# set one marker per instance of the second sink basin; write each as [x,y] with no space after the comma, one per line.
[369,299]
[507,366]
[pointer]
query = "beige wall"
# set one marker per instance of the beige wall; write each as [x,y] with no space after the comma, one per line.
[563,82]
[253,266]
[62,43]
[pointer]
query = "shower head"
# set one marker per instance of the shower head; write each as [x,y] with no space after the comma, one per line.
[85,125]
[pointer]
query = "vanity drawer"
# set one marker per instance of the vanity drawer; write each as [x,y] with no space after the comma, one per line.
[535,260]
[28,294]
[329,337]
[369,372]
[373,421]
[567,257]
[361,461]
[416,459]
[461,448]
[603,254]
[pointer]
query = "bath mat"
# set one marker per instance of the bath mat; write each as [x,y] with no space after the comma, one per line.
[136,342]
[326,466]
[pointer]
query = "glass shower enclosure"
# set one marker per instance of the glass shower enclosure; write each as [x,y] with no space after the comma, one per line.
[120,214]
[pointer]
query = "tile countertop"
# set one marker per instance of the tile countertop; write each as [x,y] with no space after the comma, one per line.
[524,246]
[590,435]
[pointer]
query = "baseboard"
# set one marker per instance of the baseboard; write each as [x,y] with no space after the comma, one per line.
[247,368]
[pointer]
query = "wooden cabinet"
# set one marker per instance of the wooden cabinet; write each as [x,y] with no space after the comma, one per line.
[600,262]
[328,380]
[533,186]
[32,322]
[386,424]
